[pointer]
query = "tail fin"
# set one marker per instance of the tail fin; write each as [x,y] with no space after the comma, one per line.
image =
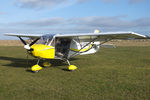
[108,46]
[96,31]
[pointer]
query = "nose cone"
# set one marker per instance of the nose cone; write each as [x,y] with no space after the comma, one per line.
[27,47]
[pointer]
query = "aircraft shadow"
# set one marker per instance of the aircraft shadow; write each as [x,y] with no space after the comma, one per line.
[15,62]
[24,63]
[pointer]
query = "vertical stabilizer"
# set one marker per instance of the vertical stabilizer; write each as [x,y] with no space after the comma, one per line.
[96,31]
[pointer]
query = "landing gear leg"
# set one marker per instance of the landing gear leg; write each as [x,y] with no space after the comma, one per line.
[36,68]
[71,67]
[68,62]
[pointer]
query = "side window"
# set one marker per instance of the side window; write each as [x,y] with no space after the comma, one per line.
[41,41]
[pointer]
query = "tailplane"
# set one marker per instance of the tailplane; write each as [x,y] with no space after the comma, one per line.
[96,31]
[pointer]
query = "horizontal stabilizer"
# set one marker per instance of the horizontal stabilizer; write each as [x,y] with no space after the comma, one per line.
[108,46]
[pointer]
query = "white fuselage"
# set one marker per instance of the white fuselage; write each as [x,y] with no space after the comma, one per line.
[83,47]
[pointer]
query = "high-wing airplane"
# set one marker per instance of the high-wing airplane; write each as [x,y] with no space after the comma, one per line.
[66,46]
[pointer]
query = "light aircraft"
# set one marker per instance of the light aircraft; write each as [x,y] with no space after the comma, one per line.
[66,46]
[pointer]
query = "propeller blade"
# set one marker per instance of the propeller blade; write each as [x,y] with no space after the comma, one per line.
[34,41]
[23,41]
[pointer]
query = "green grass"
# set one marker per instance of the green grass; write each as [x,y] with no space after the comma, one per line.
[121,73]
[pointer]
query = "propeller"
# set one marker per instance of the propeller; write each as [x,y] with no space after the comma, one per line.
[28,46]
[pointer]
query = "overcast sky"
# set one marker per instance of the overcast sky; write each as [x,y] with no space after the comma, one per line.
[72,16]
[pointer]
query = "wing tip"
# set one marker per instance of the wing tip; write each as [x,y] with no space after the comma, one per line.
[9,34]
[141,35]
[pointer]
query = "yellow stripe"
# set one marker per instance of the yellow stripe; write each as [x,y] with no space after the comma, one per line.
[81,50]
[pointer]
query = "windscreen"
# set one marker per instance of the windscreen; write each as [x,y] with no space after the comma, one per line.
[46,39]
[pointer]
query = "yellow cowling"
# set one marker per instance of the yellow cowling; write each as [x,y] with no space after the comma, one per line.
[43,51]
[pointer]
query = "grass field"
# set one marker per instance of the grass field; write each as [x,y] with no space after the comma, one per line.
[121,73]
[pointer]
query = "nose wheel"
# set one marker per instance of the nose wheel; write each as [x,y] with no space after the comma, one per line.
[36,68]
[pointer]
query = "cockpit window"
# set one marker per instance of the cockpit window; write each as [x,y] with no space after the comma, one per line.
[47,39]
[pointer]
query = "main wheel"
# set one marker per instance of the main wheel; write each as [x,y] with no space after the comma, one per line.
[72,67]
[47,64]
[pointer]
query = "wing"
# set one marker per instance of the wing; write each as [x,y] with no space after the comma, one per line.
[105,35]
[32,36]
[84,36]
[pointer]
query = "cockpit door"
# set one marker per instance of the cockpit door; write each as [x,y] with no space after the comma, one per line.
[62,47]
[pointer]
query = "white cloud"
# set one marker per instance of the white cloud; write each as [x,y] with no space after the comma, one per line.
[3,13]
[101,21]
[82,1]
[40,3]
[36,4]
[43,22]
[130,1]
[142,22]
[135,1]
[82,24]
[108,1]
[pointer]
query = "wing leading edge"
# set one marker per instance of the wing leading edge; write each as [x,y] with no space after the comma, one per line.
[24,35]
[101,36]
[106,35]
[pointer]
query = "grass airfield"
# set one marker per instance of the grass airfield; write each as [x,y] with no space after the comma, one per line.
[121,73]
